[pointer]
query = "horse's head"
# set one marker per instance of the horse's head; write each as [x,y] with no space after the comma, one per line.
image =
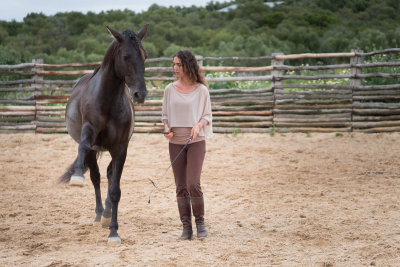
[129,61]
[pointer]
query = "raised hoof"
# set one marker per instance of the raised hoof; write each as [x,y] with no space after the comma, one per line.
[115,240]
[77,180]
[105,222]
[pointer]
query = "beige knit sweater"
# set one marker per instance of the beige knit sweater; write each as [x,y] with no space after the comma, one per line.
[187,109]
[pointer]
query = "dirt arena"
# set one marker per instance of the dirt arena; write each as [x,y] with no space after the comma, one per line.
[285,200]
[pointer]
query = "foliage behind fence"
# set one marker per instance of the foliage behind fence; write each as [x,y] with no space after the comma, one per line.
[334,92]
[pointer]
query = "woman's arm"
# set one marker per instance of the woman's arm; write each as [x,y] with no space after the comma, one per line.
[165,113]
[196,129]
[167,131]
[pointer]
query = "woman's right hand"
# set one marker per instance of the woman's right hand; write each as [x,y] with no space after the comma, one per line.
[168,133]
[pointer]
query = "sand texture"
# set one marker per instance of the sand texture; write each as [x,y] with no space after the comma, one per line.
[282,200]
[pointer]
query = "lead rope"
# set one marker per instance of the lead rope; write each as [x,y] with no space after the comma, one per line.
[180,152]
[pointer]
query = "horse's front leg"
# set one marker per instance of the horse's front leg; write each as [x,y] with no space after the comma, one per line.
[106,218]
[118,155]
[87,139]
[91,162]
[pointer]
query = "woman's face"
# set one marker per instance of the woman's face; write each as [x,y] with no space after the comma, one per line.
[177,67]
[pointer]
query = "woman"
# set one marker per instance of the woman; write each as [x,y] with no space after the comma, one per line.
[186,113]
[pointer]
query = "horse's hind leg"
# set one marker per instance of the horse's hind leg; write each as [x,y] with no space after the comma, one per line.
[91,162]
[87,139]
[106,218]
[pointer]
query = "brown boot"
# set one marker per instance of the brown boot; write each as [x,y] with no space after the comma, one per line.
[186,217]
[198,212]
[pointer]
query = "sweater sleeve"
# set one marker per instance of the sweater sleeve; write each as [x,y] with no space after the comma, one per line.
[165,108]
[207,115]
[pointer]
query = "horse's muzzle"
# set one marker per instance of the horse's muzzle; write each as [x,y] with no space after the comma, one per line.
[139,95]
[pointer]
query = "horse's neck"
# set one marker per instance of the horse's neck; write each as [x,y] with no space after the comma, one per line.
[111,86]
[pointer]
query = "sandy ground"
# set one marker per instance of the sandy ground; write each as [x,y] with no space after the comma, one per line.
[285,200]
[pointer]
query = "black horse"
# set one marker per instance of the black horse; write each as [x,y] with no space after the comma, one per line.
[100,117]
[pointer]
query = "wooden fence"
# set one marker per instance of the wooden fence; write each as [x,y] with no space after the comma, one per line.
[330,92]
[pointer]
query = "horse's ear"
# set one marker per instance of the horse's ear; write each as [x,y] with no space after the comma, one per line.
[116,34]
[142,31]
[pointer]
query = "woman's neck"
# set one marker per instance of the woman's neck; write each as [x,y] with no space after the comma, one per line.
[186,81]
[185,85]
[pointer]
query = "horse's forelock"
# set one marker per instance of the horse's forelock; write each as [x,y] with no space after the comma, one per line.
[129,34]
[114,47]
[133,36]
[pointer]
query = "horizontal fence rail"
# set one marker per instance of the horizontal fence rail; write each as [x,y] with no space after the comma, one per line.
[328,92]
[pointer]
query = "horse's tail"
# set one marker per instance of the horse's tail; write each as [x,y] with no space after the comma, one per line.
[66,177]
[68,173]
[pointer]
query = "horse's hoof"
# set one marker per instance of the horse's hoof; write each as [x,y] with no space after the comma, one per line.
[77,180]
[96,223]
[105,222]
[115,240]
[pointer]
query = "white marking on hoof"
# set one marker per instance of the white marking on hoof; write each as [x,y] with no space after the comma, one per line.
[105,222]
[116,240]
[77,180]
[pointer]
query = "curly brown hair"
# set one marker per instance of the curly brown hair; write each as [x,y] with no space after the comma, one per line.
[190,66]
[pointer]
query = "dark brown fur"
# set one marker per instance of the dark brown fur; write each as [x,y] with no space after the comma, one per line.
[100,116]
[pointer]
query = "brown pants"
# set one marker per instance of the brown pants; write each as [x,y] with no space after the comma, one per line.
[187,168]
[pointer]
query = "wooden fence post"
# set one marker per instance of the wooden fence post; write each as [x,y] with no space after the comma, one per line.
[36,78]
[200,60]
[36,85]
[276,80]
[355,82]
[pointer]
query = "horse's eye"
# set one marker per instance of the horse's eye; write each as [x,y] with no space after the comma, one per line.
[126,57]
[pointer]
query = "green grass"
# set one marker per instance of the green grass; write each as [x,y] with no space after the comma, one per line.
[235,132]
[272,131]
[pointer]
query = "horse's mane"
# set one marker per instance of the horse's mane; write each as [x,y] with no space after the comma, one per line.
[107,57]
[95,71]
[109,54]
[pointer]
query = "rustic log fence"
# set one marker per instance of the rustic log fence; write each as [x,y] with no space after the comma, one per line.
[283,93]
